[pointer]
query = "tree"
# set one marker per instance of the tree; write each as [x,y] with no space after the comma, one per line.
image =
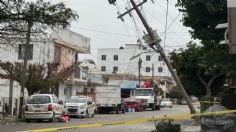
[39,77]
[203,70]
[208,64]
[22,20]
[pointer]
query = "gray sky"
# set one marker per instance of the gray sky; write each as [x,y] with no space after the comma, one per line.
[98,21]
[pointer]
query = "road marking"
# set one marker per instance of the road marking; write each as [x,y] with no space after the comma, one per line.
[134,121]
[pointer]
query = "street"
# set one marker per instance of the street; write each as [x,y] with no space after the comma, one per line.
[143,127]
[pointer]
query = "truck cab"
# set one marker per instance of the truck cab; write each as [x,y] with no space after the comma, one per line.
[146,95]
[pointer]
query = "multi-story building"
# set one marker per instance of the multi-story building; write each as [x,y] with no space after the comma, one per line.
[117,60]
[60,46]
[116,63]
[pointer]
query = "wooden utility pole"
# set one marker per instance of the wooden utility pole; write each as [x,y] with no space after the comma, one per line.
[139,71]
[155,45]
[152,71]
[24,68]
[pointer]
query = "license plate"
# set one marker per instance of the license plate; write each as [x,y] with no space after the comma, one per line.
[37,106]
[37,110]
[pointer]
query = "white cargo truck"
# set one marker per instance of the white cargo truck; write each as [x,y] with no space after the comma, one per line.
[108,98]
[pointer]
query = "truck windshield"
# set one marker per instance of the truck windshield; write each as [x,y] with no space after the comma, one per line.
[144,92]
[78,100]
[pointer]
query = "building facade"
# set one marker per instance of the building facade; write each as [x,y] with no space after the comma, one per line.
[117,60]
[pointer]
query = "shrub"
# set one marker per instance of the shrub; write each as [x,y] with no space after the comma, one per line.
[166,126]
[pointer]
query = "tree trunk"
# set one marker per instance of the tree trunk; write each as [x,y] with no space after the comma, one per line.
[10,96]
[208,84]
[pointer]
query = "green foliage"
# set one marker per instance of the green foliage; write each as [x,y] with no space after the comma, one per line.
[203,16]
[16,15]
[166,126]
[175,94]
[38,77]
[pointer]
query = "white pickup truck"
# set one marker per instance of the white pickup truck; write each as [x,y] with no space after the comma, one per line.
[108,98]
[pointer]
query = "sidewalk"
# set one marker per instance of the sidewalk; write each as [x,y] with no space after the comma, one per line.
[189,125]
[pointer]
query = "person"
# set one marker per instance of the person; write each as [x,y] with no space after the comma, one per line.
[147,84]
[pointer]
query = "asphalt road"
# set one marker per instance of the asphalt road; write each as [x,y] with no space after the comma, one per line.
[102,118]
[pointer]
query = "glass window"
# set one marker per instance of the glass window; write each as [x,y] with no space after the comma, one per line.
[103,68]
[103,57]
[55,99]
[148,58]
[78,100]
[57,54]
[148,69]
[160,69]
[160,58]
[144,92]
[115,69]
[115,57]
[39,100]
[22,51]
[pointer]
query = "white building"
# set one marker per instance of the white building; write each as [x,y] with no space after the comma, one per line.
[62,46]
[117,60]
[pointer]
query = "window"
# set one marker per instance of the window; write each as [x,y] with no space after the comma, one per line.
[160,58]
[103,57]
[22,51]
[115,69]
[148,58]
[160,69]
[57,54]
[55,99]
[115,57]
[103,68]
[148,69]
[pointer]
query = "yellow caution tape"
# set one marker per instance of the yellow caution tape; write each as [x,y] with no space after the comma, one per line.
[135,121]
[210,102]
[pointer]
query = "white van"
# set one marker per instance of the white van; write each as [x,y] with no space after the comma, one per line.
[82,106]
[43,107]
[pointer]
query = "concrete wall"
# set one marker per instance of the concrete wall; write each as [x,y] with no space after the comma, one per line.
[129,67]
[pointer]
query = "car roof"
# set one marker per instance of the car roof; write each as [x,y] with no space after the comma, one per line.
[43,95]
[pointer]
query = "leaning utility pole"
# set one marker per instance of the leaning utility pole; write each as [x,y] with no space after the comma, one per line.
[153,42]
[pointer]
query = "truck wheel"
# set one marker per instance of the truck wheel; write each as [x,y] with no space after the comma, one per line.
[123,111]
[117,111]
[28,120]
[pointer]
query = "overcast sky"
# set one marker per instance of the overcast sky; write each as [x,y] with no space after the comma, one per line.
[98,21]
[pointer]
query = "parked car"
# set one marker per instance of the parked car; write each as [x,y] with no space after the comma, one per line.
[166,102]
[43,107]
[133,103]
[82,106]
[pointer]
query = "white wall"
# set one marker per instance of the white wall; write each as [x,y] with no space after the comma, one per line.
[125,65]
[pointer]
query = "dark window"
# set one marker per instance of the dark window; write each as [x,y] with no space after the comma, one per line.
[103,68]
[115,57]
[148,69]
[148,58]
[160,58]
[57,54]
[22,51]
[115,69]
[160,69]
[103,57]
